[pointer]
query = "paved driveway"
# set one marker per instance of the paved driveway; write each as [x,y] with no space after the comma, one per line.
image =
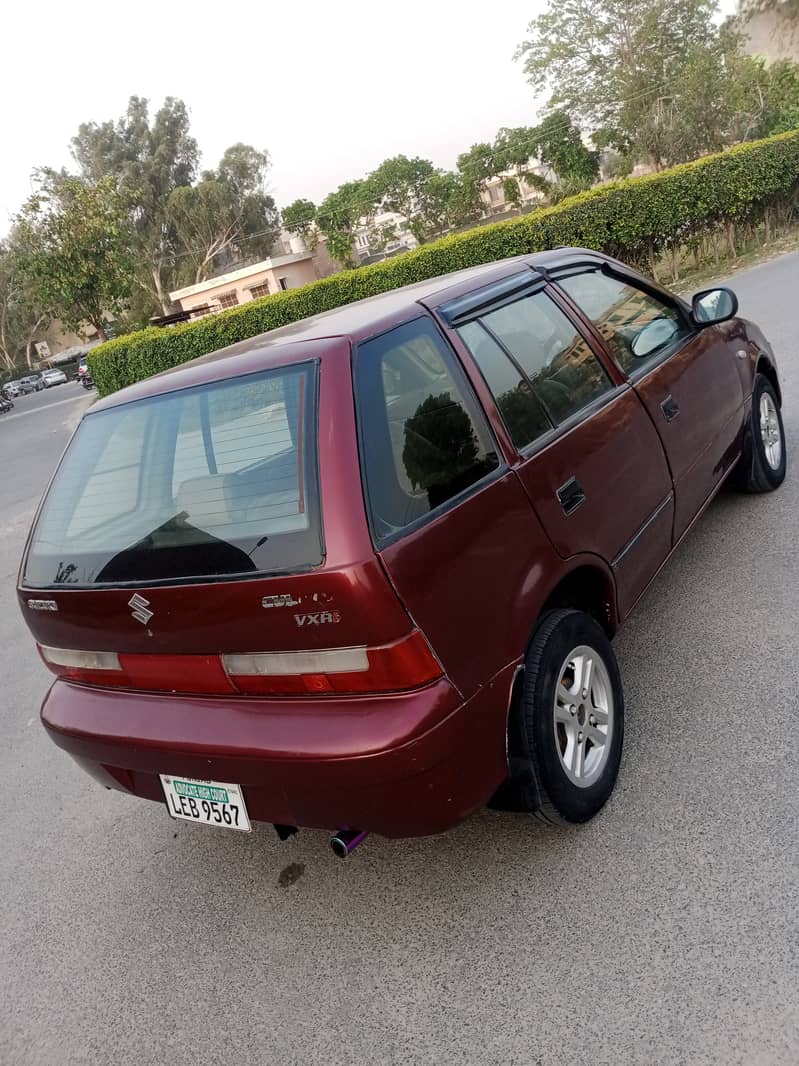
[665,932]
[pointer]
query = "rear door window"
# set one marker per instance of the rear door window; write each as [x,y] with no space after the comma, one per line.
[563,371]
[521,410]
[208,481]
[424,437]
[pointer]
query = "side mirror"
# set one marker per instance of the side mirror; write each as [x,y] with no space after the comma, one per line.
[714,305]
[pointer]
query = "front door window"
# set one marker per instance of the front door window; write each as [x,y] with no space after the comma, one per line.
[637,326]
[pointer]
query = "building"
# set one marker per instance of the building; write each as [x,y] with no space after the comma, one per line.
[265,278]
[771,34]
[385,235]
[493,196]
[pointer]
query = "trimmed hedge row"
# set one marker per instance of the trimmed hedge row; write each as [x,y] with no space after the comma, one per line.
[635,219]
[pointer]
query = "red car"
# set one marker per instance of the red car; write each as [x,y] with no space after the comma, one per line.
[362,572]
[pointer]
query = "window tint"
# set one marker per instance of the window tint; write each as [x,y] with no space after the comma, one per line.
[521,411]
[423,436]
[219,479]
[564,372]
[635,324]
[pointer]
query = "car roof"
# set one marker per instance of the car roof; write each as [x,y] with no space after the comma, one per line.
[354,321]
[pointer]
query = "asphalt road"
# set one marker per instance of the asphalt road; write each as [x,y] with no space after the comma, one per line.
[664,932]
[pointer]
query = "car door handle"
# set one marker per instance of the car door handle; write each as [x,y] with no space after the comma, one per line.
[670,408]
[571,495]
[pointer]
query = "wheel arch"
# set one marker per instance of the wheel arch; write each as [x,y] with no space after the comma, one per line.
[587,586]
[766,367]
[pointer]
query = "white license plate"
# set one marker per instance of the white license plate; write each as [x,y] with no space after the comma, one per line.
[213,803]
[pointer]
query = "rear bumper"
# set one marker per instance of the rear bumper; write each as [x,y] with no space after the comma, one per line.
[403,765]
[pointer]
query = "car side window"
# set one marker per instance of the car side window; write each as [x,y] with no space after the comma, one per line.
[424,437]
[563,371]
[636,325]
[521,410]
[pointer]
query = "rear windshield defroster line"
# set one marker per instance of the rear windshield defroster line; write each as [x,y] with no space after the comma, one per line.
[218,480]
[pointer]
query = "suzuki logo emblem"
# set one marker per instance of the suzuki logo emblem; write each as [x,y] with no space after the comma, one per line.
[140,611]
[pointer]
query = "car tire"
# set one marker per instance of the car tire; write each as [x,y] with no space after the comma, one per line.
[568,774]
[763,464]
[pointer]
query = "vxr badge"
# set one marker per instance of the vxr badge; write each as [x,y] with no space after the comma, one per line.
[140,611]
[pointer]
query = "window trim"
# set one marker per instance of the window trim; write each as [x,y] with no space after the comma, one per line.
[461,376]
[463,309]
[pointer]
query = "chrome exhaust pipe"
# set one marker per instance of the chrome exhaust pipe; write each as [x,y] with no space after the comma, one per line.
[347,840]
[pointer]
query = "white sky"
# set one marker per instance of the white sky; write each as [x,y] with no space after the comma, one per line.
[329,88]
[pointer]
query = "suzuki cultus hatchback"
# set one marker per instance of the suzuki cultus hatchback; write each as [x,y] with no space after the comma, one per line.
[361,573]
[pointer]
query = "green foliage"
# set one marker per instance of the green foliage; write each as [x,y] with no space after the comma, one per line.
[299,217]
[79,249]
[646,76]
[635,219]
[341,212]
[148,158]
[556,142]
[225,215]
[765,97]
[20,318]
[559,145]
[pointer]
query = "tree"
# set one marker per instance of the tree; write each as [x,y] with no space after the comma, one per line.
[148,160]
[627,69]
[226,212]
[20,317]
[341,212]
[558,143]
[78,242]
[450,202]
[402,186]
[299,217]
[766,98]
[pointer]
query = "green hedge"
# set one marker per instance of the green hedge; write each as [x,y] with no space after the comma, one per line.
[636,220]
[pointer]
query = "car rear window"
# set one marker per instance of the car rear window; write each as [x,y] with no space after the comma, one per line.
[215,480]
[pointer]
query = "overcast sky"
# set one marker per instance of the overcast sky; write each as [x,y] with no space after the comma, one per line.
[330,89]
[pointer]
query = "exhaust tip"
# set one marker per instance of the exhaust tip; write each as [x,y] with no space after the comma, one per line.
[345,841]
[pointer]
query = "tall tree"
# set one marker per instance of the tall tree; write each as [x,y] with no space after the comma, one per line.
[227,214]
[149,159]
[624,67]
[20,315]
[78,243]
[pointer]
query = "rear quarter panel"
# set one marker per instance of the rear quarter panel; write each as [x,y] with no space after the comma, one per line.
[474,580]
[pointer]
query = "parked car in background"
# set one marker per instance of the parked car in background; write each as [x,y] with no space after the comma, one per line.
[386,627]
[31,383]
[53,377]
[11,390]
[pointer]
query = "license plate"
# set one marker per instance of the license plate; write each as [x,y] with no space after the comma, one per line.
[213,803]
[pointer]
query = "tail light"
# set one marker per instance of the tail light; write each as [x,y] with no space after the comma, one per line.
[406,664]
